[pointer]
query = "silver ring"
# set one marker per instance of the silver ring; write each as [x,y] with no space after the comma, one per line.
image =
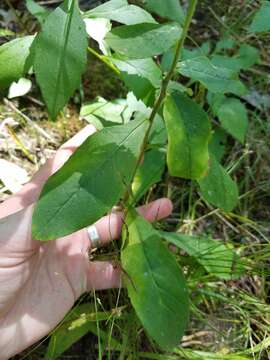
[94,237]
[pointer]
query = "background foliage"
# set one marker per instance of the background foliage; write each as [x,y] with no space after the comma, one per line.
[229,313]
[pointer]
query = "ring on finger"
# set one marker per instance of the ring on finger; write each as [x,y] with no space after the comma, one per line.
[94,238]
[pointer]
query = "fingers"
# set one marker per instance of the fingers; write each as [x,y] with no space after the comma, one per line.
[103,275]
[62,155]
[156,210]
[30,192]
[109,227]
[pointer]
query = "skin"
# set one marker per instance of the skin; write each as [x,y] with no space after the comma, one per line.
[39,281]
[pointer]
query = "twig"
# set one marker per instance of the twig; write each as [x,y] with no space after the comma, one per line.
[29,121]
[20,144]
[104,60]
[225,26]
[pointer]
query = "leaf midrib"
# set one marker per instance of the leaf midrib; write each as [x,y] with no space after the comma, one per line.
[60,209]
[62,52]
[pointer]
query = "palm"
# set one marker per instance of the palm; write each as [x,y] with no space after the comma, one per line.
[39,282]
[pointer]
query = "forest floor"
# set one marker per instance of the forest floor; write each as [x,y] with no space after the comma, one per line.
[232,317]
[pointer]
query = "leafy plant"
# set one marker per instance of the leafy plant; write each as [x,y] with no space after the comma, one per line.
[165,111]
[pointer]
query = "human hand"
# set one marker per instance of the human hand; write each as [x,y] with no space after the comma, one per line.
[39,281]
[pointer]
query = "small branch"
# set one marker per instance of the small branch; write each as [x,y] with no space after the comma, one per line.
[29,121]
[164,85]
[104,60]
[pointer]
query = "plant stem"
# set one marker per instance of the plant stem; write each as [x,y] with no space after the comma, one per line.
[164,86]
[104,60]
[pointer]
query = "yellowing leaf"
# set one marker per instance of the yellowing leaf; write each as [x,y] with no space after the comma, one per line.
[188,130]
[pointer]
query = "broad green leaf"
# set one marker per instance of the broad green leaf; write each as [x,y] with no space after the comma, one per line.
[188,130]
[37,11]
[225,43]
[19,88]
[145,68]
[158,136]
[216,257]
[105,113]
[214,78]
[200,51]
[81,320]
[186,54]
[90,183]
[122,12]
[155,283]
[137,106]
[246,57]
[143,40]
[218,143]
[170,9]
[215,100]
[97,29]
[233,117]
[60,60]
[141,87]
[149,173]
[261,21]
[13,60]
[218,188]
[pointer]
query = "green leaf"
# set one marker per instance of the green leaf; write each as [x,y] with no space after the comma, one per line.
[188,130]
[60,60]
[143,40]
[214,78]
[97,30]
[246,57]
[233,117]
[149,173]
[13,60]
[19,88]
[175,86]
[218,188]
[225,43]
[122,12]
[216,257]
[105,113]
[141,87]
[90,183]
[170,9]
[261,21]
[155,283]
[37,11]
[217,144]
[145,68]
[158,136]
